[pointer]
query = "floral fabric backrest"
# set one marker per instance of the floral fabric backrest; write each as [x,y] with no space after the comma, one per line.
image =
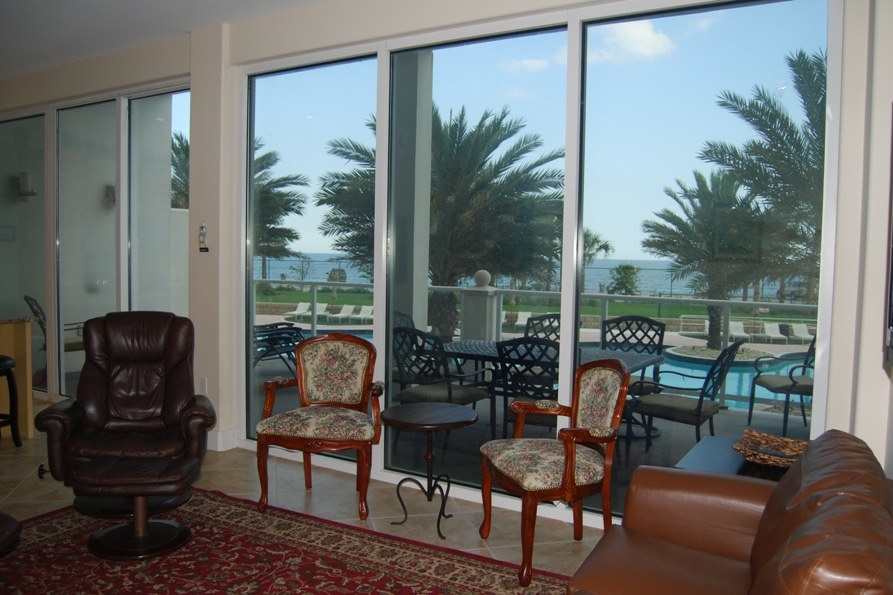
[597,394]
[334,371]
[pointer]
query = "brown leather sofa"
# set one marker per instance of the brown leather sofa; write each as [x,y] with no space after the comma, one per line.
[826,527]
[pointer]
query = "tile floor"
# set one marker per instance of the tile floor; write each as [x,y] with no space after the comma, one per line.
[234,472]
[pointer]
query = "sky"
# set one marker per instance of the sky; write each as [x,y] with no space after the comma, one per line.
[651,87]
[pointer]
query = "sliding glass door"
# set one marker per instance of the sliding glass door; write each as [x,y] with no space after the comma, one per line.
[87,168]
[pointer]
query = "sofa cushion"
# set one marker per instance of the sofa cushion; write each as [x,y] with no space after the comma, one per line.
[835,463]
[627,561]
[846,546]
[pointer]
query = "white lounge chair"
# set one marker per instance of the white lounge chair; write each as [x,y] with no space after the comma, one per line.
[364,315]
[301,308]
[320,312]
[772,333]
[521,321]
[693,328]
[345,313]
[736,331]
[800,332]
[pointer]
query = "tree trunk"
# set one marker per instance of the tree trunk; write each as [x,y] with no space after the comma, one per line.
[442,315]
[714,327]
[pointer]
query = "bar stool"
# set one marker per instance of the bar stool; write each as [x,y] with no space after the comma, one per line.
[11,419]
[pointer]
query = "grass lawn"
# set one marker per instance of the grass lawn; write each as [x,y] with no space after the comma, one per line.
[355,297]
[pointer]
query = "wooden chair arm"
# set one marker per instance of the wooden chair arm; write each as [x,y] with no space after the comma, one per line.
[540,407]
[376,391]
[270,388]
[587,435]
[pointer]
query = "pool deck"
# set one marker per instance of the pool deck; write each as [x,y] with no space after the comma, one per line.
[587,335]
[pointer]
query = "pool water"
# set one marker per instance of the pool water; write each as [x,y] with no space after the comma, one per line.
[738,381]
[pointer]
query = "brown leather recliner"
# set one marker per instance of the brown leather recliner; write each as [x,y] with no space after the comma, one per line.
[136,430]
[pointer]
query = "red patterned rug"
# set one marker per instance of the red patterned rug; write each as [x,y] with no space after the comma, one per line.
[235,549]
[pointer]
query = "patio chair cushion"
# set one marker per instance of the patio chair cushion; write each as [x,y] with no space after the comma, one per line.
[802,385]
[678,407]
[462,394]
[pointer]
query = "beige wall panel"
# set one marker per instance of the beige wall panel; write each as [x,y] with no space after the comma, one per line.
[160,61]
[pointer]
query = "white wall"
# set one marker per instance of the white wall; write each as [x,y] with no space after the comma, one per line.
[858,389]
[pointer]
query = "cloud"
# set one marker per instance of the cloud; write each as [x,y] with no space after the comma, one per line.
[626,42]
[525,65]
[519,94]
[703,24]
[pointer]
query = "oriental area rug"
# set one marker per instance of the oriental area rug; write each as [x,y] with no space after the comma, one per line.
[235,549]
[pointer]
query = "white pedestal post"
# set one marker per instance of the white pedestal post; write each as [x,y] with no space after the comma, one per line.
[480,310]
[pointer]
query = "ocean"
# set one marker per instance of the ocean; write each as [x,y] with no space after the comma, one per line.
[653,277]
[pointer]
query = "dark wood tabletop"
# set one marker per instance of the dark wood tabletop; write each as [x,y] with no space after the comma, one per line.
[429,416]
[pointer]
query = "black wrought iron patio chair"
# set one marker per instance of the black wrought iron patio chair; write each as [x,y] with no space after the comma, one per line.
[679,404]
[798,381]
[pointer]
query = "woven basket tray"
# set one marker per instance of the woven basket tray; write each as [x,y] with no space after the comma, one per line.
[766,449]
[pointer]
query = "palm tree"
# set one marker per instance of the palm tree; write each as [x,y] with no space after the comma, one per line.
[713,241]
[350,196]
[273,200]
[493,206]
[593,245]
[179,171]
[784,165]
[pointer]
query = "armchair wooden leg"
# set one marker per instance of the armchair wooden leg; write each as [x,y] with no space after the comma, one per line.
[486,498]
[364,470]
[577,507]
[528,527]
[607,512]
[308,472]
[262,453]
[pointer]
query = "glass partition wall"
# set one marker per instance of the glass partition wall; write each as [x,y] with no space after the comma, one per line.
[151,214]
[672,224]
[87,162]
[476,194]
[703,144]
[311,199]
[22,237]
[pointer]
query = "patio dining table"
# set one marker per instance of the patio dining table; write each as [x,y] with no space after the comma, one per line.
[485,351]
[481,350]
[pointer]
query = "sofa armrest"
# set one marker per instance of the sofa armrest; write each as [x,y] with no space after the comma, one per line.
[710,512]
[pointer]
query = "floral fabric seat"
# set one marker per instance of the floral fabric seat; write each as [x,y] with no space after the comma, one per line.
[334,423]
[538,464]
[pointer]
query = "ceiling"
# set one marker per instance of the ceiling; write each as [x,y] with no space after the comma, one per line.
[39,34]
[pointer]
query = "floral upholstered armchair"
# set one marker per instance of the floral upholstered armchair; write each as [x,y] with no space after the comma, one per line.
[339,408]
[575,465]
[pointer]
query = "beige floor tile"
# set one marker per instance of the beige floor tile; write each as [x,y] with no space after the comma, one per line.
[333,496]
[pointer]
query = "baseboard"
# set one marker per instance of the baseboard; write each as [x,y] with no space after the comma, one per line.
[220,440]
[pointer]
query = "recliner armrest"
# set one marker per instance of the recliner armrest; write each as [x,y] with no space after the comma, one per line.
[710,512]
[195,420]
[59,421]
